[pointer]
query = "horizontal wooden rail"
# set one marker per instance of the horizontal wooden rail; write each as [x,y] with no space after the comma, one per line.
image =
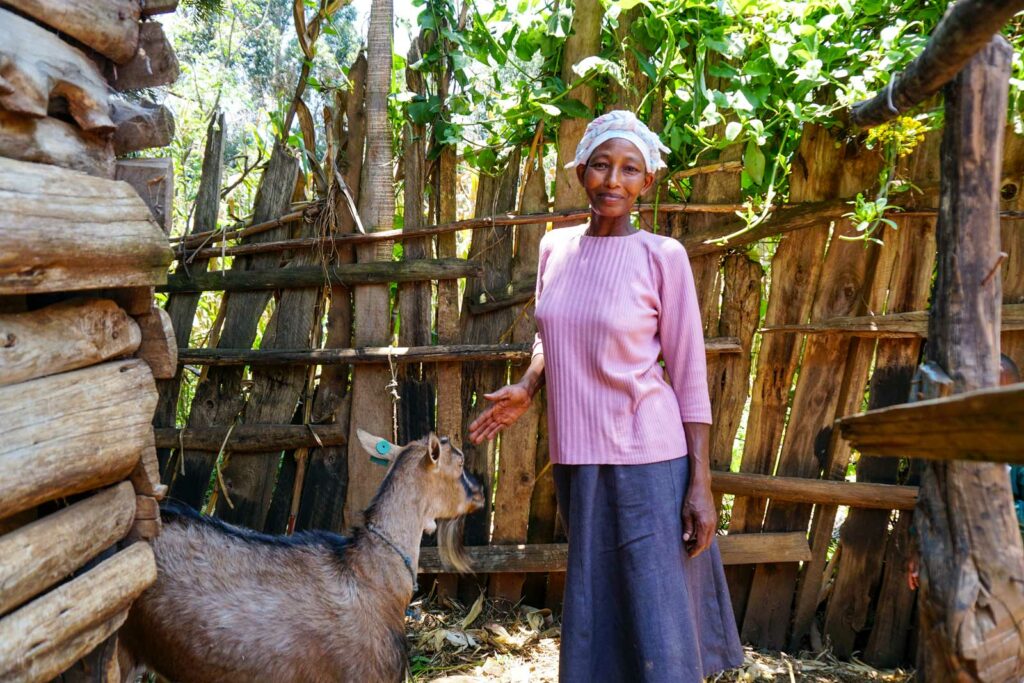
[910,324]
[254,438]
[967,27]
[551,557]
[392,354]
[977,425]
[816,491]
[374,272]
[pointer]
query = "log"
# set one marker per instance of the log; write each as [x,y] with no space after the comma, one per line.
[913,324]
[978,425]
[60,658]
[74,232]
[145,476]
[816,491]
[44,625]
[152,7]
[372,272]
[73,432]
[967,28]
[110,27]
[65,336]
[140,125]
[252,438]
[551,557]
[135,301]
[39,554]
[972,559]
[52,141]
[390,354]
[153,180]
[153,64]
[144,529]
[36,65]
[159,348]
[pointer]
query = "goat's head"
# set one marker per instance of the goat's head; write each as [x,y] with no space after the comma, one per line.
[435,469]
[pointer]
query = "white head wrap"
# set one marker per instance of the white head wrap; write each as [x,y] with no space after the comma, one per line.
[625,125]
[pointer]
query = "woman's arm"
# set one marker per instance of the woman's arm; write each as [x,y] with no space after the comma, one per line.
[700,518]
[508,403]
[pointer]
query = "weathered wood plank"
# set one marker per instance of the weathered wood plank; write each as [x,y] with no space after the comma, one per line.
[965,29]
[59,658]
[140,125]
[912,324]
[153,179]
[44,625]
[972,560]
[367,273]
[551,557]
[52,141]
[158,348]
[110,27]
[73,432]
[74,232]
[816,491]
[37,65]
[153,64]
[39,554]
[65,336]
[152,7]
[251,438]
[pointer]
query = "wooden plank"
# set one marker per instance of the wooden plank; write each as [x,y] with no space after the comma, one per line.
[362,274]
[152,7]
[52,141]
[59,658]
[42,626]
[140,125]
[145,477]
[828,363]
[74,231]
[912,324]
[64,336]
[73,432]
[250,438]
[966,28]
[972,559]
[518,469]
[456,353]
[322,501]
[39,554]
[158,347]
[551,557]
[153,180]
[110,27]
[790,298]
[219,397]
[153,64]
[977,425]
[38,65]
[816,491]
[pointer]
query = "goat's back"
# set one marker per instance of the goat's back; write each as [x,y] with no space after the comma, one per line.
[234,605]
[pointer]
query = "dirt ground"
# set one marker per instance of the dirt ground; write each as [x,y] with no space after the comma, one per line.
[452,643]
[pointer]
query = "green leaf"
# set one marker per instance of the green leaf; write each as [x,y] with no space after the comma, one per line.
[732,130]
[754,161]
[574,108]
[549,109]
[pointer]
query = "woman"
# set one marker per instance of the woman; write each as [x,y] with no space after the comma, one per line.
[645,594]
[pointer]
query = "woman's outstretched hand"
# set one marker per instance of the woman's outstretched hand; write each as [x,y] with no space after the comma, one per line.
[507,405]
[700,519]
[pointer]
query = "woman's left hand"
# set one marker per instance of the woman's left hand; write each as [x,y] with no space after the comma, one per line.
[700,518]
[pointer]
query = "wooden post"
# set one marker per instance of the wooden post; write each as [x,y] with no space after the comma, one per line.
[140,125]
[972,562]
[153,179]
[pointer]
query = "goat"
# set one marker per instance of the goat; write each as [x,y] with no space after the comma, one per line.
[230,604]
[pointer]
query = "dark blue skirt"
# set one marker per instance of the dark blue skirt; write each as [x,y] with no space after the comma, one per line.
[636,607]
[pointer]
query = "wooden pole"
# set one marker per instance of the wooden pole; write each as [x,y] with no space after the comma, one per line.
[816,491]
[967,28]
[972,562]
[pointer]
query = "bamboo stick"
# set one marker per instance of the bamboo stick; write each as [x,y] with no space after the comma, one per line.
[39,554]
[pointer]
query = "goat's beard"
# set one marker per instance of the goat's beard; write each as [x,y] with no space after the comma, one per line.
[449,544]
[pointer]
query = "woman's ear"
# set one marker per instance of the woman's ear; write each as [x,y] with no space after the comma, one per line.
[648,184]
[580,170]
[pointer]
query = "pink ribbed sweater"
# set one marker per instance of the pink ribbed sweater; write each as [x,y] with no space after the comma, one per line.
[607,309]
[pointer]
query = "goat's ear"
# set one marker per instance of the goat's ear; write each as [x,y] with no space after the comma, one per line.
[433,448]
[381,450]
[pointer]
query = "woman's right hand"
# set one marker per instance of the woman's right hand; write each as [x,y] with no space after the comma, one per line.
[507,405]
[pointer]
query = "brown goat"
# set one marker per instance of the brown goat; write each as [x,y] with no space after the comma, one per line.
[230,604]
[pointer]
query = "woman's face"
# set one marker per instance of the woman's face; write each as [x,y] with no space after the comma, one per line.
[614,176]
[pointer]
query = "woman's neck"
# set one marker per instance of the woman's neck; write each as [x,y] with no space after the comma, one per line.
[609,226]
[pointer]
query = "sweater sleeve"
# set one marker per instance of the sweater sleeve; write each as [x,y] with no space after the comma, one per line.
[682,335]
[538,343]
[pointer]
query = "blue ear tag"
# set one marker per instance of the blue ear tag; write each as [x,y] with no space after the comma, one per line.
[383,447]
